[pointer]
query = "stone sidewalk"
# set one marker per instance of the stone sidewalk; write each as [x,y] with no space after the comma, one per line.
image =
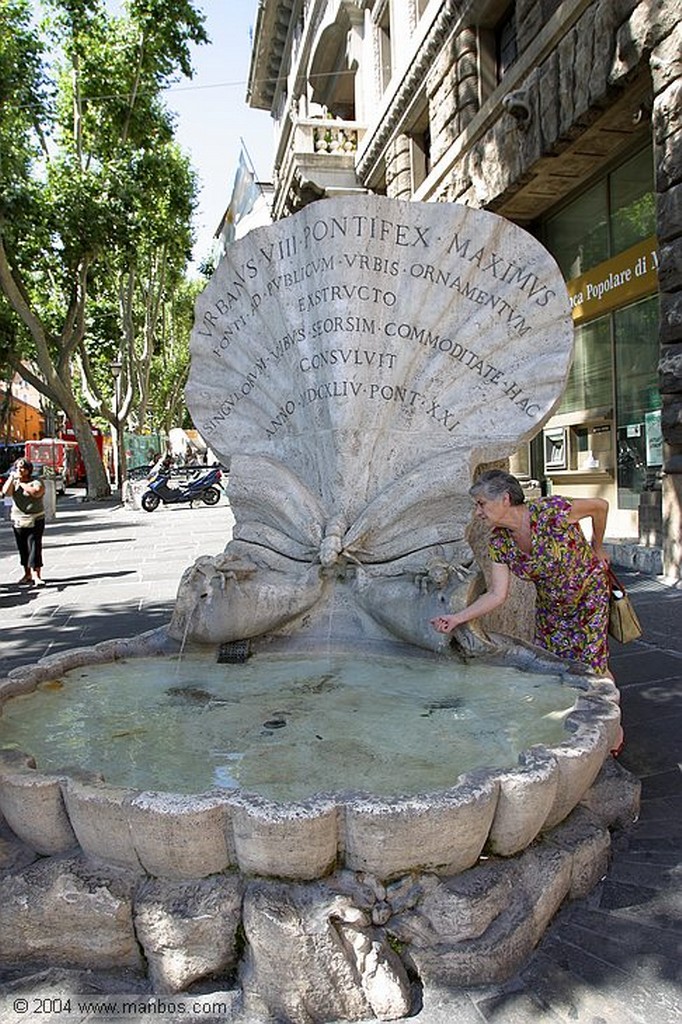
[613,958]
[110,571]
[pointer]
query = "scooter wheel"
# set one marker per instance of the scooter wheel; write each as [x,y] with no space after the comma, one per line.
[150,501]
[211,496]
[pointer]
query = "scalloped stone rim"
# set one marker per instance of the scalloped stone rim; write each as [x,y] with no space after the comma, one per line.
[177,836]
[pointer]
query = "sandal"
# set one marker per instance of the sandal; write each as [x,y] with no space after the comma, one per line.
[25,579]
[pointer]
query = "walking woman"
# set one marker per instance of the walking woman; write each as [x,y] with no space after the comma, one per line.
[28,519]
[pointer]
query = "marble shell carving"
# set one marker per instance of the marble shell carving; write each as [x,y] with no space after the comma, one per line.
[354,363]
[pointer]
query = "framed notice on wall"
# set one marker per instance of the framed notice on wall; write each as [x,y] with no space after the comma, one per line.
[654,438]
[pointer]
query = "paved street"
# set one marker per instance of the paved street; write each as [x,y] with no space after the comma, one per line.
[613,958]
[110,572]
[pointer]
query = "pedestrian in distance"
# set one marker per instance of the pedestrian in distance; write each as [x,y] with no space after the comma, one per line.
[28,519]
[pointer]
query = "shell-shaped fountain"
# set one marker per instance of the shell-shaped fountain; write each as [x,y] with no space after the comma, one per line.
[353,364]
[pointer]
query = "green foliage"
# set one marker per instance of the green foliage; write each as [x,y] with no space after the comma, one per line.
[96,198]
[9,338]
[25,101]
[168,26]
[170,367]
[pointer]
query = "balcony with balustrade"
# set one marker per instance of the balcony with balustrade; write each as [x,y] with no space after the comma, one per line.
[316,158]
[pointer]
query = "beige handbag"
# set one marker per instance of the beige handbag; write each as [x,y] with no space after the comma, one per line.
[624,626]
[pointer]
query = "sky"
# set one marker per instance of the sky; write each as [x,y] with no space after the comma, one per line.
[213,114]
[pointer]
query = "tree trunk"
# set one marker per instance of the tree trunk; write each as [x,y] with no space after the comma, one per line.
[98,484]
[57,387]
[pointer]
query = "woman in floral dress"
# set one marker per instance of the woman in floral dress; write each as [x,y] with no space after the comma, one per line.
[542,541]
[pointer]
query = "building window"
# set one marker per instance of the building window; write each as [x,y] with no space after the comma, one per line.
[638,401]
[506,50]
[615,363]
[578,236]
[420,154]
[590,385]
[612,403]
[385,54]
[632,204]
[608,218]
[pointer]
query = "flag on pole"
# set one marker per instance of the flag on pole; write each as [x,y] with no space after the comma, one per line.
[245,192]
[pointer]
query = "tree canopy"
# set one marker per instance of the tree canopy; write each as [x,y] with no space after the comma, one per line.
[96,201]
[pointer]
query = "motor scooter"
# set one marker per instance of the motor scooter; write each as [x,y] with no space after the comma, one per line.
[204,488]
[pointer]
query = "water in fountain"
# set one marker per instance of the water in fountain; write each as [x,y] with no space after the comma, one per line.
[287,727]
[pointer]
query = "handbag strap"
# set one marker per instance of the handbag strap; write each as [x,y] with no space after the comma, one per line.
[614,582]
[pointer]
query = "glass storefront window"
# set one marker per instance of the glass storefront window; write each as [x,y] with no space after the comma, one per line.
[638,400]
[589,384]
[611,407]
[578,236]
[608,218]
[633,213]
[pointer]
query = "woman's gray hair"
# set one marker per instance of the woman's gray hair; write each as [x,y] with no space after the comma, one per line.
[494,483]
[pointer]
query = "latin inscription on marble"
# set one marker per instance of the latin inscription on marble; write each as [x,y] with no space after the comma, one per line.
[372,316]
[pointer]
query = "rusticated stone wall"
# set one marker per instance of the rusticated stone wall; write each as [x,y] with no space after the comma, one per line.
[665,61]
[399,169]
[591,64]
[453,91]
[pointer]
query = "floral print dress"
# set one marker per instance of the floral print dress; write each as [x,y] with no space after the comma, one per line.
[572,592]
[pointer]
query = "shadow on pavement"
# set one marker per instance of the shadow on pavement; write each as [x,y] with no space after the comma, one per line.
[21,594]
[53,630]
[88,543]
[63,581]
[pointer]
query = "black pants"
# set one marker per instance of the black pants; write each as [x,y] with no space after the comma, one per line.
[30,543]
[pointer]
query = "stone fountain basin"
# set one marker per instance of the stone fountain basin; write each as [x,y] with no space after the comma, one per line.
[178,836]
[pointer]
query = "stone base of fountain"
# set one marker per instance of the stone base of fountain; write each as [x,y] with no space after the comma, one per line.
[321,910]
[346,946]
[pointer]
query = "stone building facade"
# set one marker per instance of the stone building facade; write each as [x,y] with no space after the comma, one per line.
[564,117]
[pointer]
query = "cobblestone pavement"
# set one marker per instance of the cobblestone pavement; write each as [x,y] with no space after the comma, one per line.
[612,958]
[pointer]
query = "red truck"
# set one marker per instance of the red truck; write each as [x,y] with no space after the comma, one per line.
[58,456]
[67,434]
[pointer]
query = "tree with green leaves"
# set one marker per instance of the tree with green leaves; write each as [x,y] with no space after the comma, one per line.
[96,201]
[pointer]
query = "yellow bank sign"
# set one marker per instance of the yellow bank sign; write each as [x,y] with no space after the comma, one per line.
[629,276]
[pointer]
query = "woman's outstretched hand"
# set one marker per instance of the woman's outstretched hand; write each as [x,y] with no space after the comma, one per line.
[444,623]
